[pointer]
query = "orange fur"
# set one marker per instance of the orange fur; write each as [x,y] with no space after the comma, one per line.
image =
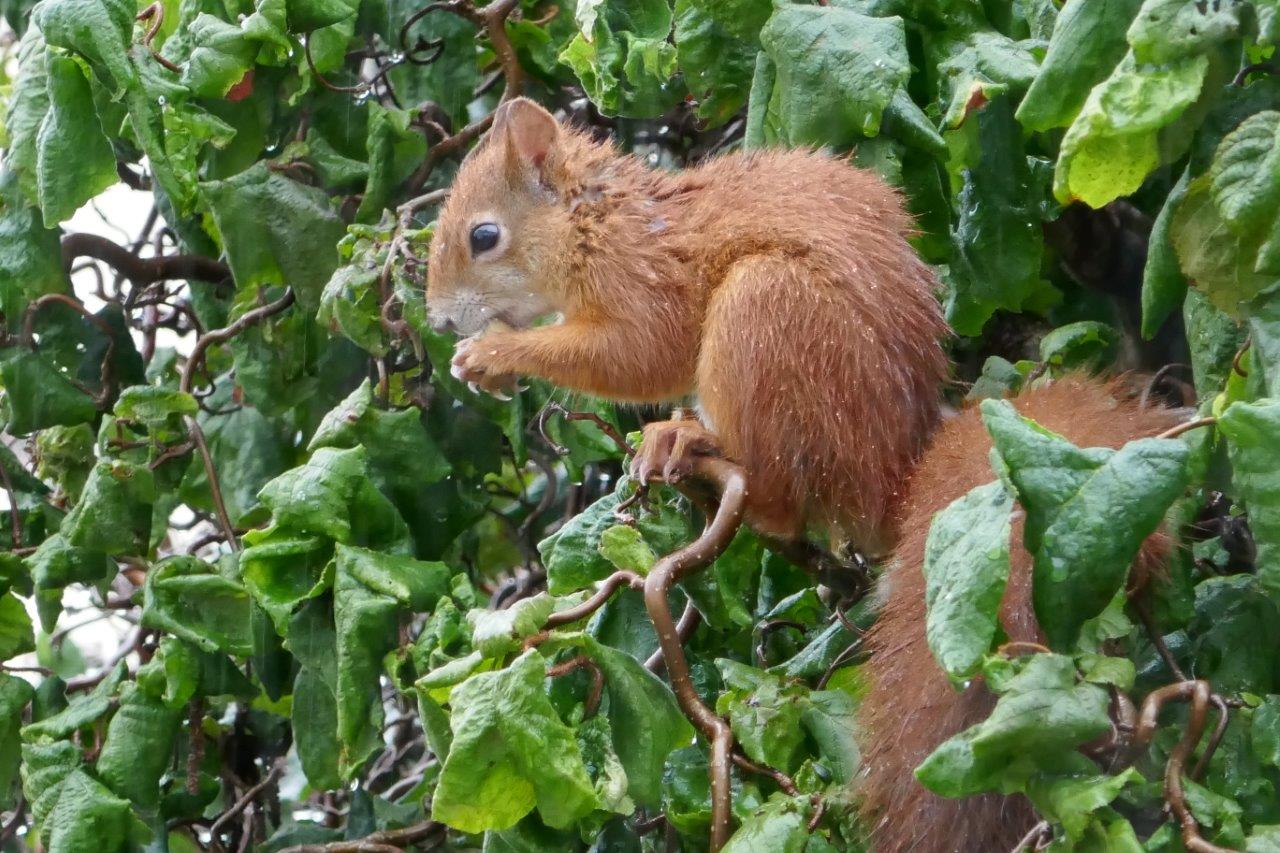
[777,287]
[911,707]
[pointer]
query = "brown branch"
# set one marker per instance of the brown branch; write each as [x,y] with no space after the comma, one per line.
[492,19]
[195,752]
[1033,839]
[215,487]
[386,839]
[155,14]
[19,818]
[1175,431]
[730,483]
[597,679]
[607,428]
[690,619]
[608,587]
[1199,694]
[219,336]
[277,768]
[90,680]
[142,271]
[359,89]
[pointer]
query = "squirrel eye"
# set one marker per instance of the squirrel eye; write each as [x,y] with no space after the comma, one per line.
[484,237]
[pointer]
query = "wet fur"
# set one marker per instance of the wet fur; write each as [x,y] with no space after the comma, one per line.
[776,287]
[911,707]
[779,289]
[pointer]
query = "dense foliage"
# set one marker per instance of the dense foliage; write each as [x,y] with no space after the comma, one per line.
[237,433]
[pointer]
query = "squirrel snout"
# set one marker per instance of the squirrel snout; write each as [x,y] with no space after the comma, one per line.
[442,324]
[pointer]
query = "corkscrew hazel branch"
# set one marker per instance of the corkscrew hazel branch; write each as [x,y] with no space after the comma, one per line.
[1200,696]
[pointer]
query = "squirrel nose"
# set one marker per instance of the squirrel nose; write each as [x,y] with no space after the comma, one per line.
[442,324]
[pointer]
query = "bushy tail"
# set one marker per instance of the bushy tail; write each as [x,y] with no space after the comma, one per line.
[911,707]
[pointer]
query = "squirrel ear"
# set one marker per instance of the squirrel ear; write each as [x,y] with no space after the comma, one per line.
[531,132]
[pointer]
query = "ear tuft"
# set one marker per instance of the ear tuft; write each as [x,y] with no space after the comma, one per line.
[530,130]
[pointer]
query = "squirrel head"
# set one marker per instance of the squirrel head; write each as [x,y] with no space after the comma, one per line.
[500,237]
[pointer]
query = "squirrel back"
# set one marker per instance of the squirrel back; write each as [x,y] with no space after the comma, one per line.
[911,706]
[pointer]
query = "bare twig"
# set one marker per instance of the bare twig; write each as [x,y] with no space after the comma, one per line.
[1199,694]
[607,428]
[155,14]
[597,679]
[142,271]
[215,486]
[219,336]
[250,795]
[1175,431]
[690,619]
[608,587]
[730,483]
[386,839]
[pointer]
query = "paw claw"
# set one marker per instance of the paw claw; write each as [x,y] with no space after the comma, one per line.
[474,387]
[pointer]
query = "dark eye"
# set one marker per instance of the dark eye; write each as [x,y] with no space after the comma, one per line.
[484,237]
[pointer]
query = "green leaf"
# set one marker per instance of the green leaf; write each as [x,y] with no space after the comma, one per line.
[371,592]
[82,711]
[983,65]
[30,266]
[1071,801]
[247,452]
[1253,442]
[138,747]
[282,569]
[1112,145]
[495,633]
[39,395]
[276,231]
[716,48]
[55,564]
[308,15]
[837,71]
[764,713]
[624,546]
[831,720]
[27,105]
[194,601]
[779,826]
[1087,42]
[394,148]
[645,719]
[331,495]
[113,514]
[1088,512]
[1264,731]
[98,30]
[510,753]
[74,160]
[15,694]
[400,450]
[1042,716]
[572,554]
[966,566]
[1169,30]
[221,54]
[1164,287]
[15,628]
[1245,174]
[997,241]
[150,404]
[349,304]
[86,815]
[1083,345]
[1264,335]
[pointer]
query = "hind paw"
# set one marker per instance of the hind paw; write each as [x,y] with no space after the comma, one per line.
[670,448]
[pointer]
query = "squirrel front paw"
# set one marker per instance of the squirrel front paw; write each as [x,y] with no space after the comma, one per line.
[669,448]
[472,363]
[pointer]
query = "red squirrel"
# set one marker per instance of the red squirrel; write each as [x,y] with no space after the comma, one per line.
[779,289]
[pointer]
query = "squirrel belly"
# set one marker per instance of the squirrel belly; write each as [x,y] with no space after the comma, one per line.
[911,706]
